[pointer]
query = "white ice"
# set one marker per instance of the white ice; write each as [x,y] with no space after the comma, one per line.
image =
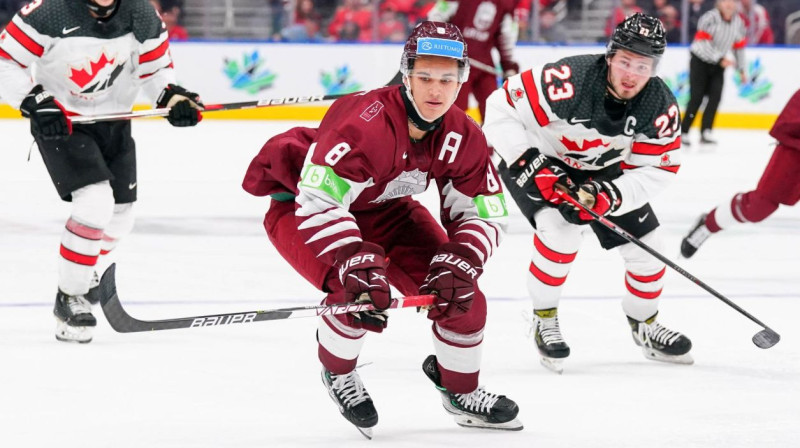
[199,248]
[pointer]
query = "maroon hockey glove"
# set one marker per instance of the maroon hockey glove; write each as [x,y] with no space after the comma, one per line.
[451,278]
[602,197]
[510,68]
[537,175]
[49,120]
[362,271]
[185,106]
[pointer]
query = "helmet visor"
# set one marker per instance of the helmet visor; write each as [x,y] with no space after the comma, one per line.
[629,60]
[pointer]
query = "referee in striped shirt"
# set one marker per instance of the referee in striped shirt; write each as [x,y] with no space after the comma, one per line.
[719,31]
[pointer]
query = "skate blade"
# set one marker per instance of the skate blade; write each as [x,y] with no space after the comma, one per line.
[68,333]
[468,421]
[553,364]
[651,354]
[366,432]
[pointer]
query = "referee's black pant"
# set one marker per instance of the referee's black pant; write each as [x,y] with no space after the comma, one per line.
[704,80]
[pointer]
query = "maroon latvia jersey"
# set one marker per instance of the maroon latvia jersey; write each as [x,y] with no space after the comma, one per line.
[485,24]
[361,158]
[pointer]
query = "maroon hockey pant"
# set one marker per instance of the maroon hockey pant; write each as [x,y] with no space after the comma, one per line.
[410,236]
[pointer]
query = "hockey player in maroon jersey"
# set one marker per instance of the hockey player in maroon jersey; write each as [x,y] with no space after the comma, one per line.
[486,25]
[778,185]
[342,215]
[608,129]
[60,58]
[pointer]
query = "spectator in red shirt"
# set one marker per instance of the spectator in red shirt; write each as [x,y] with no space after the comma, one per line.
[352,21]
[626,8]
[170,12]
[756,19]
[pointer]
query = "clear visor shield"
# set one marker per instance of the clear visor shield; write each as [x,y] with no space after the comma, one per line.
[633,63]
[456,74]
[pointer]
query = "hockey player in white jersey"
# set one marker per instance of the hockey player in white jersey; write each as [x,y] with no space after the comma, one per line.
[606,128]
[60,58]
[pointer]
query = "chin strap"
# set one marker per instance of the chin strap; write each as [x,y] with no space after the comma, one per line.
[413,113]
[102,11]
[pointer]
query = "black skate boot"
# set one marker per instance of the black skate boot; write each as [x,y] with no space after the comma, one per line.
[355,404]
[93,296]
[479,409]
[660,343]
[74,318]
[547,334]
[707,139]
[695,238]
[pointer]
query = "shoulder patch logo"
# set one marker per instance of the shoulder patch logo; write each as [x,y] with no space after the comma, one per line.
[665,161]
[517,94]
[371,111]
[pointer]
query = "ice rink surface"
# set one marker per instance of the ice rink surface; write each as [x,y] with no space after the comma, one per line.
[199,248]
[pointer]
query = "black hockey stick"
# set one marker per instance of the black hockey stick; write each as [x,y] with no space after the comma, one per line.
[122,322]
[765,338]
[163,112]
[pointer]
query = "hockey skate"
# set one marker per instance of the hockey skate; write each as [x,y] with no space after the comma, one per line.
[355,404]
[707,139]
[74,319]
[695,238]
[660,343]
[547,333]
[479,409]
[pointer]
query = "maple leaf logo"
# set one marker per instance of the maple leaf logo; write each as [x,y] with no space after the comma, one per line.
[665,161]
[587,144]
[83,76]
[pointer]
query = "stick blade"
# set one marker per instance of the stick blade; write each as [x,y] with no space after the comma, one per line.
[766,338]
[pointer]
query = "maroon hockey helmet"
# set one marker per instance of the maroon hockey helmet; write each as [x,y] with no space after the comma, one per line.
[436,39]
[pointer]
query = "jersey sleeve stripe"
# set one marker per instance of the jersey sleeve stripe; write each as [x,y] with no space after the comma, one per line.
[508,97]
[155,53]
[20,36]
[5,55]
[652,149]
[171,65]
[671,169]
[739,45]
[533,98]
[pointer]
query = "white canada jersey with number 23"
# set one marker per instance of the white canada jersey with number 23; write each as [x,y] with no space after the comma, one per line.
[559,108]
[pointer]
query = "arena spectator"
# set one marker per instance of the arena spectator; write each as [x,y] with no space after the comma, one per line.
[351,22]
[756,19]
[550,28]
[626,8]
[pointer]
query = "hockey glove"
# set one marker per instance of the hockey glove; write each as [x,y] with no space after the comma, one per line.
[185,106]
[49,120]
[362,271]
[451,278]
[537,175]
[602,197]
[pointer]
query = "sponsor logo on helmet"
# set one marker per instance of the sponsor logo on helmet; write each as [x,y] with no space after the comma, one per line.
[440,47]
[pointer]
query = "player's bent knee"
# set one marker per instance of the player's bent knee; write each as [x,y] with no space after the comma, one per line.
[93,205]
[756,206]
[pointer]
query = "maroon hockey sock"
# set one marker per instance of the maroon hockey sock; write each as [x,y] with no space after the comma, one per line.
[711,222]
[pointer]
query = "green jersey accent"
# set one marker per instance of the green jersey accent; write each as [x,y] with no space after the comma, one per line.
[491,206]
[324,179]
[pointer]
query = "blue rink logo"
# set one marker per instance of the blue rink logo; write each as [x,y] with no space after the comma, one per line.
[756,86]
[440,47]
[248,74]
[339,81]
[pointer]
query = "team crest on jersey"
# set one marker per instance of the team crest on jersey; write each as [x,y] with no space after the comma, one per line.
[587,145]
[517,94]
[408,183]
[370,112]
[665,161]
[96,74]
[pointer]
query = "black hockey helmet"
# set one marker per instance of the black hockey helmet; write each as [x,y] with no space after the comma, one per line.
[641,34]
[436,39]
